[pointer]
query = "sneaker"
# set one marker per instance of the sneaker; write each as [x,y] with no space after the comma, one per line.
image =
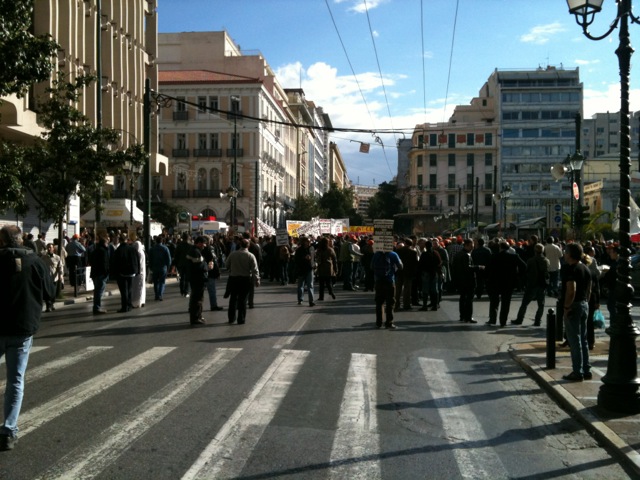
[8,442]
[390,326]
[573,377]
[471,320]
[200,321]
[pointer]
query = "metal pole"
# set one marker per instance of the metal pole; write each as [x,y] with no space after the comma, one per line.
[551,339]
[619,391]
[146,140]
[98,199]
[234,170]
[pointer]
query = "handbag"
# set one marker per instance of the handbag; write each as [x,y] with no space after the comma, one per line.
[598,319]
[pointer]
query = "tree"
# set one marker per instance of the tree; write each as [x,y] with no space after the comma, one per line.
[307,207]
[338,203]
[26,58]
[166,213]
[72,156]
[385,203]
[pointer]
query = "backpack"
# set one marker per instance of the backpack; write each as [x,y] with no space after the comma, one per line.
[382,267]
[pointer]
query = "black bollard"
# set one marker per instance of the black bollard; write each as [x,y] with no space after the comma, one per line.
[551,339]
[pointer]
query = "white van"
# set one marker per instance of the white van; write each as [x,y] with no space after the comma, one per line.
[211,228]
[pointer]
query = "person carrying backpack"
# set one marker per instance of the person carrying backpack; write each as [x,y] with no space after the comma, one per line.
[384,266]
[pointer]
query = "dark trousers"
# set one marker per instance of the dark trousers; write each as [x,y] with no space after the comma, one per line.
[385,295]
[324,282]
[195,301]
[125,285]
[495,299]
[238,292]
[465,303]
[184,281]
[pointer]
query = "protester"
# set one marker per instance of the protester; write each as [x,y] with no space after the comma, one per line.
[327,263]
[198,274]
[536,282]
[463,272]
[213,274]
[384,266]
[99,259]
[304,261]
[139,292]
[124,266]
[160,263]
[504,271]
[405,278]
[24,282]
[430,268]
[243,271]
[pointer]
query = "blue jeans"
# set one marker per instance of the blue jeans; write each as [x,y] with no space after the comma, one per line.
[99,286]
[211,288]
[16,351]
[575,324]
[308,279]
[430,289]
[159,282]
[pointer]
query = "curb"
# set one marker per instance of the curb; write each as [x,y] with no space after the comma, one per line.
[595,426]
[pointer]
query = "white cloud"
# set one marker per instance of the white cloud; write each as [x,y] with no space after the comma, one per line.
[361,6]
[608,100]
[586,62]
[541,34]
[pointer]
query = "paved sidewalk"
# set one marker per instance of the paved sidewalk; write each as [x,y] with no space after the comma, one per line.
[619,432]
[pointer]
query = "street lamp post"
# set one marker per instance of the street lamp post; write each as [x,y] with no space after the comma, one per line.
[619,391]
[502,198]
[234,178]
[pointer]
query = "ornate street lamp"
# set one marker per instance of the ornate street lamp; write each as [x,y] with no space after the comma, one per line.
[619,391]
[502,197]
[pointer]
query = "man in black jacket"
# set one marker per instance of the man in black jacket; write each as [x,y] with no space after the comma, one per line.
[25,283]
[99,262]
[503,273]
[125,264]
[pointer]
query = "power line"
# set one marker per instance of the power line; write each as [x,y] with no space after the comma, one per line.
[453,37]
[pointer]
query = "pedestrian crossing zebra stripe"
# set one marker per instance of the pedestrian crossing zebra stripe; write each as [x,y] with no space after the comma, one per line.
[38,416]
[34,349]
[357,435]
[90,460]
[42,371]
[228,452]
[474,459]
[288,339]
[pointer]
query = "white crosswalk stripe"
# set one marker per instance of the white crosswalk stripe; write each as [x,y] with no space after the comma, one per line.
[34,349]
[38,416]
[90,460]
[357,437]
[227,453]
[461,425]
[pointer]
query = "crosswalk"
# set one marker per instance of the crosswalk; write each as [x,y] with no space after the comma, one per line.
[356,450]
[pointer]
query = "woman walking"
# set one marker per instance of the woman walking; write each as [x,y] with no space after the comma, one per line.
[327,262]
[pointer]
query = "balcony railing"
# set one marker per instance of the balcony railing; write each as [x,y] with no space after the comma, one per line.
[179,193]
[180,152]
[207,152]
[206,193]
[240,152]
[181,115]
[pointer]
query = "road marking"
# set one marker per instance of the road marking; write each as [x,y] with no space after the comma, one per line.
[357,436]
[34,349]
[462,428]
[286,340]
[90,460]
[70,399]
[228,452]
[42,371]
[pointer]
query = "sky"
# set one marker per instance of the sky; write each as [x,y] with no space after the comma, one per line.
[394,64]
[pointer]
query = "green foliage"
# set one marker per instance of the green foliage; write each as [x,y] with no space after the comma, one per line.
[166,213]
[338,203]
[581,216]
[25,58]
[307,207]
[385,203]
[72,156]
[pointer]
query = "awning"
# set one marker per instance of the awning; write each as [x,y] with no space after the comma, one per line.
[116,211]
[533,222]
[498,226]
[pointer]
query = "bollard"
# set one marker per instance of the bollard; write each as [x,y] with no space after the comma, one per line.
[551,339]
[560,321]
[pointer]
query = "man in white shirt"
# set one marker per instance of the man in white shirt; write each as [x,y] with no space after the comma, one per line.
[553,253]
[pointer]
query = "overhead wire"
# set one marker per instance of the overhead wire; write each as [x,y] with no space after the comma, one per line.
[453,38]
[424,69]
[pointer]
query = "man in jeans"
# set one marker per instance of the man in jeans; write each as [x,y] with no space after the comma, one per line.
[576,289]
[24,282]
[99,259]
[304,260]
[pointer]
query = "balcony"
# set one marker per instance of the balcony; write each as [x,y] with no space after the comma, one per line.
[179,193]
[230,152]
[181,115]
[180,152]
[207,152]
[425,209]
[207,193]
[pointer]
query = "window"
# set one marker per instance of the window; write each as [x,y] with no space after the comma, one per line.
[530,115]
[452,140]
[202,141]
[510,133]
[488,199]
[488,181]
[420,181]
[202,179]
[420,141]
[469,180]
[202,104]
[181,141]
[214,141]
[533,187]
[529,133]
[433,160]
[419,161]
[432,200]
[213,104]
[433,139]
[451,200]
[433,181]
[420,200]
[215,179]
[452,159]
[471,139]
[451,182]
[180,105]
[488,139]
[471,159]
[235,103]
[235,139]
[488,159]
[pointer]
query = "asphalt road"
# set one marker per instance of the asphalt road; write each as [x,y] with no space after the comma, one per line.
[296,392]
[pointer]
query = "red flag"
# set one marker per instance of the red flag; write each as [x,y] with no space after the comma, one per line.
[364,147]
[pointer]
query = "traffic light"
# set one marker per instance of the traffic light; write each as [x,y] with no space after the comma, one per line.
[581,216]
